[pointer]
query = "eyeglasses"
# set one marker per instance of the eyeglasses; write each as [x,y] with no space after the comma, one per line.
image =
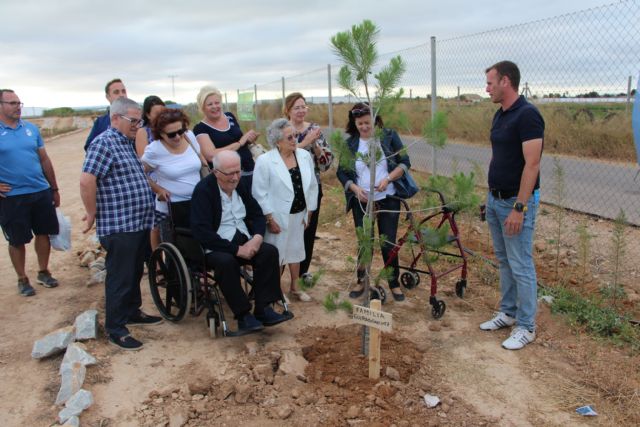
[359,112]
[230,173]
[291,138]
[134,122]
[300,108]
[13,103]
[172,135]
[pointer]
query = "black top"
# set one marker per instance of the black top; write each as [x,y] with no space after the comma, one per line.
[521,122]
[298,204]
[206,214]
[223,138]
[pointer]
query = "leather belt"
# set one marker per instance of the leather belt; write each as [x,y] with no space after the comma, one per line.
[503,194]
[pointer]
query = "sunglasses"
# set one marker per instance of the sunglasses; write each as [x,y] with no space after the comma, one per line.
[359,112]
[172,135]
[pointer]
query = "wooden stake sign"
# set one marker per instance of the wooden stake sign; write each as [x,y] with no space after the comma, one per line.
[378,321]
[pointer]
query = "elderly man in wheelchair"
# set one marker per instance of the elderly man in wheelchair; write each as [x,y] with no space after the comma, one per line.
[228,222]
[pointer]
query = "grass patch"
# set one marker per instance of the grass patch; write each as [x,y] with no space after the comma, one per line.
[591,313]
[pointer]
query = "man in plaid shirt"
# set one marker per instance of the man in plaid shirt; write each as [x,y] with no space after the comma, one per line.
[117,197]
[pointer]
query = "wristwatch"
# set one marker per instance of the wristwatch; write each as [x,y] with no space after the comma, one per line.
[520,207]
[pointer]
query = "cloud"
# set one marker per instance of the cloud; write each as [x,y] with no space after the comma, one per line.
[63,52]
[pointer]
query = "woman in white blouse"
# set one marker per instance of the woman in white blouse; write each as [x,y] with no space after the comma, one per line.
[175,160]
[285,186]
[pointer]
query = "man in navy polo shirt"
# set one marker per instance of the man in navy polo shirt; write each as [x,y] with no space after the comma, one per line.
[28,192]
[117,197]
[113,90]
[517,135]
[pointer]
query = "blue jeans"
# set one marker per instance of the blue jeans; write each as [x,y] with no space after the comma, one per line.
[518,282]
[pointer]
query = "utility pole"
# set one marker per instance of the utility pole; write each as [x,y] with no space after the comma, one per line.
[173,87]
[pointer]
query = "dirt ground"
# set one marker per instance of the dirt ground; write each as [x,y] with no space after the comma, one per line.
[309,371]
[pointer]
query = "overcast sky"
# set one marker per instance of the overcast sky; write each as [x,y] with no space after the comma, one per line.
[62,52]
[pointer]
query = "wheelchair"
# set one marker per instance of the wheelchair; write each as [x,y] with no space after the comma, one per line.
[180,279]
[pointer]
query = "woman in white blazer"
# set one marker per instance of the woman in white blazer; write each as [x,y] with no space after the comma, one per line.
[285,186]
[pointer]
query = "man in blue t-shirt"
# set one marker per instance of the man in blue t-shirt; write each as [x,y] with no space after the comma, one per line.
[517,134]
[28,192]
[113,90]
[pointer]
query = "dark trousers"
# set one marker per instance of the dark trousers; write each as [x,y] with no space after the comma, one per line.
[266,278]
[387,226]
[126,254]
[310,235]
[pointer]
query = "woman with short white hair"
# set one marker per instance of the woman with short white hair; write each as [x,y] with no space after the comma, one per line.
[285,186]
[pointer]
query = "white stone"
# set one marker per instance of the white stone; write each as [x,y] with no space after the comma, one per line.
[86,325]
[72,378]
[97,278]
[72,422]
[76,352]
[53,343]
[75,405]
[548,299]
[292,363]
[431,401]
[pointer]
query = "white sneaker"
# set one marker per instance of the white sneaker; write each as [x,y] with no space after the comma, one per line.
[499,321]
[519,338]
[300,296]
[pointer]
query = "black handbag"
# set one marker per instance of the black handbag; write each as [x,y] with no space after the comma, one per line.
[405,186]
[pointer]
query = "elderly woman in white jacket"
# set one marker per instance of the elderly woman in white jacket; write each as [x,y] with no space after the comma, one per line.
[285,186]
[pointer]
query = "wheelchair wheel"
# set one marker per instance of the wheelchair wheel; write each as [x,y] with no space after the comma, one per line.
[410,279]
[169,282]
[213,323]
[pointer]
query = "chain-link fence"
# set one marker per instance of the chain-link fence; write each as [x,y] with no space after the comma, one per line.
[580,69]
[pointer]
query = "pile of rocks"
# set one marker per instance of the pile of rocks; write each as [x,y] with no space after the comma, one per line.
[74,364]
[93,259]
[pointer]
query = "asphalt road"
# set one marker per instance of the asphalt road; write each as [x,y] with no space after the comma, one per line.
[591,186]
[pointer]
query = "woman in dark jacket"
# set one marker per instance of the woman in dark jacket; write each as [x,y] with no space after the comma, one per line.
[392,163]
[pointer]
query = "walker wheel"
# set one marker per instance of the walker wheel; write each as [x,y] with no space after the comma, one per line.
[438,309]
[410,279]
[378,292]
[461,286]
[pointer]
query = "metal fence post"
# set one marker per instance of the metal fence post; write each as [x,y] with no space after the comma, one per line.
[255,105]
[283,106]
[626,108]
[330,100]
[434,104]
[226,104]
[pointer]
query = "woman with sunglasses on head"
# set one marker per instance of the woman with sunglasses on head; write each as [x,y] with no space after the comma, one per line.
[309,136]
[174,159]
[391,164]
[151,107]
[221,131]
[285,186]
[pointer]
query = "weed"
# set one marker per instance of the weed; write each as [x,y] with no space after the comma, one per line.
[590,313]
[618,249]
[559,193]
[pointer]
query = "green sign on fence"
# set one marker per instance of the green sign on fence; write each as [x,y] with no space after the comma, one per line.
[245,107]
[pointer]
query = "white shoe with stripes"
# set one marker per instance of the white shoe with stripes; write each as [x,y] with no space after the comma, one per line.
[519,338]
[499,321]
